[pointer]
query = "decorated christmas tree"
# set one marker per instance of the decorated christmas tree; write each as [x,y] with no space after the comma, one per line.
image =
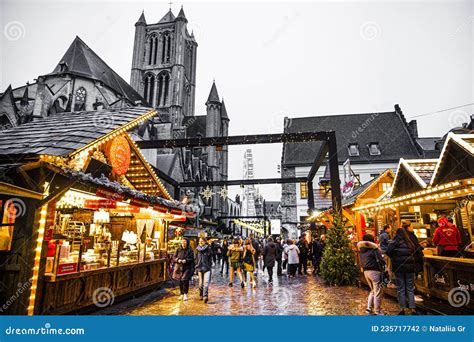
[338,265]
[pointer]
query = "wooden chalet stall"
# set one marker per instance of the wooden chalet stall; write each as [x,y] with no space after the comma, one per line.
[425,190]
[85,217]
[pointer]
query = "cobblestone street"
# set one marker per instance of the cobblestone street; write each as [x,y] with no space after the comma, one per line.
[304,295]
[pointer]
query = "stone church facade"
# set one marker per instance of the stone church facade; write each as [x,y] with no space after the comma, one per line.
[163,76]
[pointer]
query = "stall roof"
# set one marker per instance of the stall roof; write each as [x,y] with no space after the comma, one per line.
[456,161]
[412,175]
[364,188]
[64,133]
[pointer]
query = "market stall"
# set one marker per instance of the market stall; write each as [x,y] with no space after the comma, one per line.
[425,191]
[101,214]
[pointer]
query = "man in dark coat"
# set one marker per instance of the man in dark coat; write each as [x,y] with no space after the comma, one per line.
[304,251]
[269,257]
[279,256]
[317,253]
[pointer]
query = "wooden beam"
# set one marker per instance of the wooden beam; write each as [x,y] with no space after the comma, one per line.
[244,182]
[14,190]
[235,140]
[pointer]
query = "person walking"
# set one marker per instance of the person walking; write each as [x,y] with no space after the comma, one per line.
[183,268]
[203,268]
[372,263]
[284,256]
[225,258]
[235,253]
[317,254]
[292,255]
[249,262]
[304,251]
[447,238]
[402,251]
[269,258]
[279,256]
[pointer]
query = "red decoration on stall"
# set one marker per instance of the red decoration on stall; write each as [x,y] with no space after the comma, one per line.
[176,211]
[160,208]
[119,155]
[106,193]
[139,203]
[100,204]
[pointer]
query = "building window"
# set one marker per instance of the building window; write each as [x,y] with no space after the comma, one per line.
[374,175]
[80,100]
[303,190]
[384,186]
[353,150]
[149,88]
[374,149]
[163,89]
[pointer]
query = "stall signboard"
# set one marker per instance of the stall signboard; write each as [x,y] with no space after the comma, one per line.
[131,209]
[100,204]
[160,208]
[119,155]
[109,194]
[275,227]
[67,268]
[139,203]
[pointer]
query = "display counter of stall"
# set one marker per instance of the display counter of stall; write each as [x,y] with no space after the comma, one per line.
[97,215]
[444,188]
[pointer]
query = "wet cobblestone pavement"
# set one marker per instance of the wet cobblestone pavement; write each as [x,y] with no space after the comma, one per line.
[303,295]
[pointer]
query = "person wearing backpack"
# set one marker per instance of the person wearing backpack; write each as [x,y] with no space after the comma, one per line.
[372,263]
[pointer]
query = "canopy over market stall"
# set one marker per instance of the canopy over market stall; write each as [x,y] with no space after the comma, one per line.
[79,200]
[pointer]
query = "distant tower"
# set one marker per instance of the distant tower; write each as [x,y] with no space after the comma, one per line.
[248,203]
[164,66]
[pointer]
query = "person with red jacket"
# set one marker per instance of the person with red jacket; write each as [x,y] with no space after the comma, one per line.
[447,237]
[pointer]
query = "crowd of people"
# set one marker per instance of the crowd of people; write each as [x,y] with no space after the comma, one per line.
[399,259]
[244,258]
[394,261]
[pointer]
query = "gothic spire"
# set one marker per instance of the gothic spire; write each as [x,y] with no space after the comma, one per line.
[224,115]
[181,14]
[25,99]
[213,95]
[142,19]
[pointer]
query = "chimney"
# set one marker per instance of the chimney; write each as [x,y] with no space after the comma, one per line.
[413,128]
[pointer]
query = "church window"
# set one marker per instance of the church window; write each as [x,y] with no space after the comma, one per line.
[149,88]
[150,48]
[163,47]
[168,50]
[155,49]
[5,122]
[163,88]
[80,99]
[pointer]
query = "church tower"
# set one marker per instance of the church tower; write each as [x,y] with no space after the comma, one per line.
[164,66]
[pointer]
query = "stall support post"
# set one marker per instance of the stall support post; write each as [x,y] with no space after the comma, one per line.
[334,172]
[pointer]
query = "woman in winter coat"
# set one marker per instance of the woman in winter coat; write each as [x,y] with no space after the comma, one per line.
[403,253]
[249,262]
[372,263]
[269,257]
[292,255]
[203,268]
[183,268]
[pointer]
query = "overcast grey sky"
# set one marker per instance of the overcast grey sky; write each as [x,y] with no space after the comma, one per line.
[274,59]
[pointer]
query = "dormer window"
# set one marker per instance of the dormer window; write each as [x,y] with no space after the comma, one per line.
[353,150]
[374,149]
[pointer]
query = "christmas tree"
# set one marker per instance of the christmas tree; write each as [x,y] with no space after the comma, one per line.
[338,265]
